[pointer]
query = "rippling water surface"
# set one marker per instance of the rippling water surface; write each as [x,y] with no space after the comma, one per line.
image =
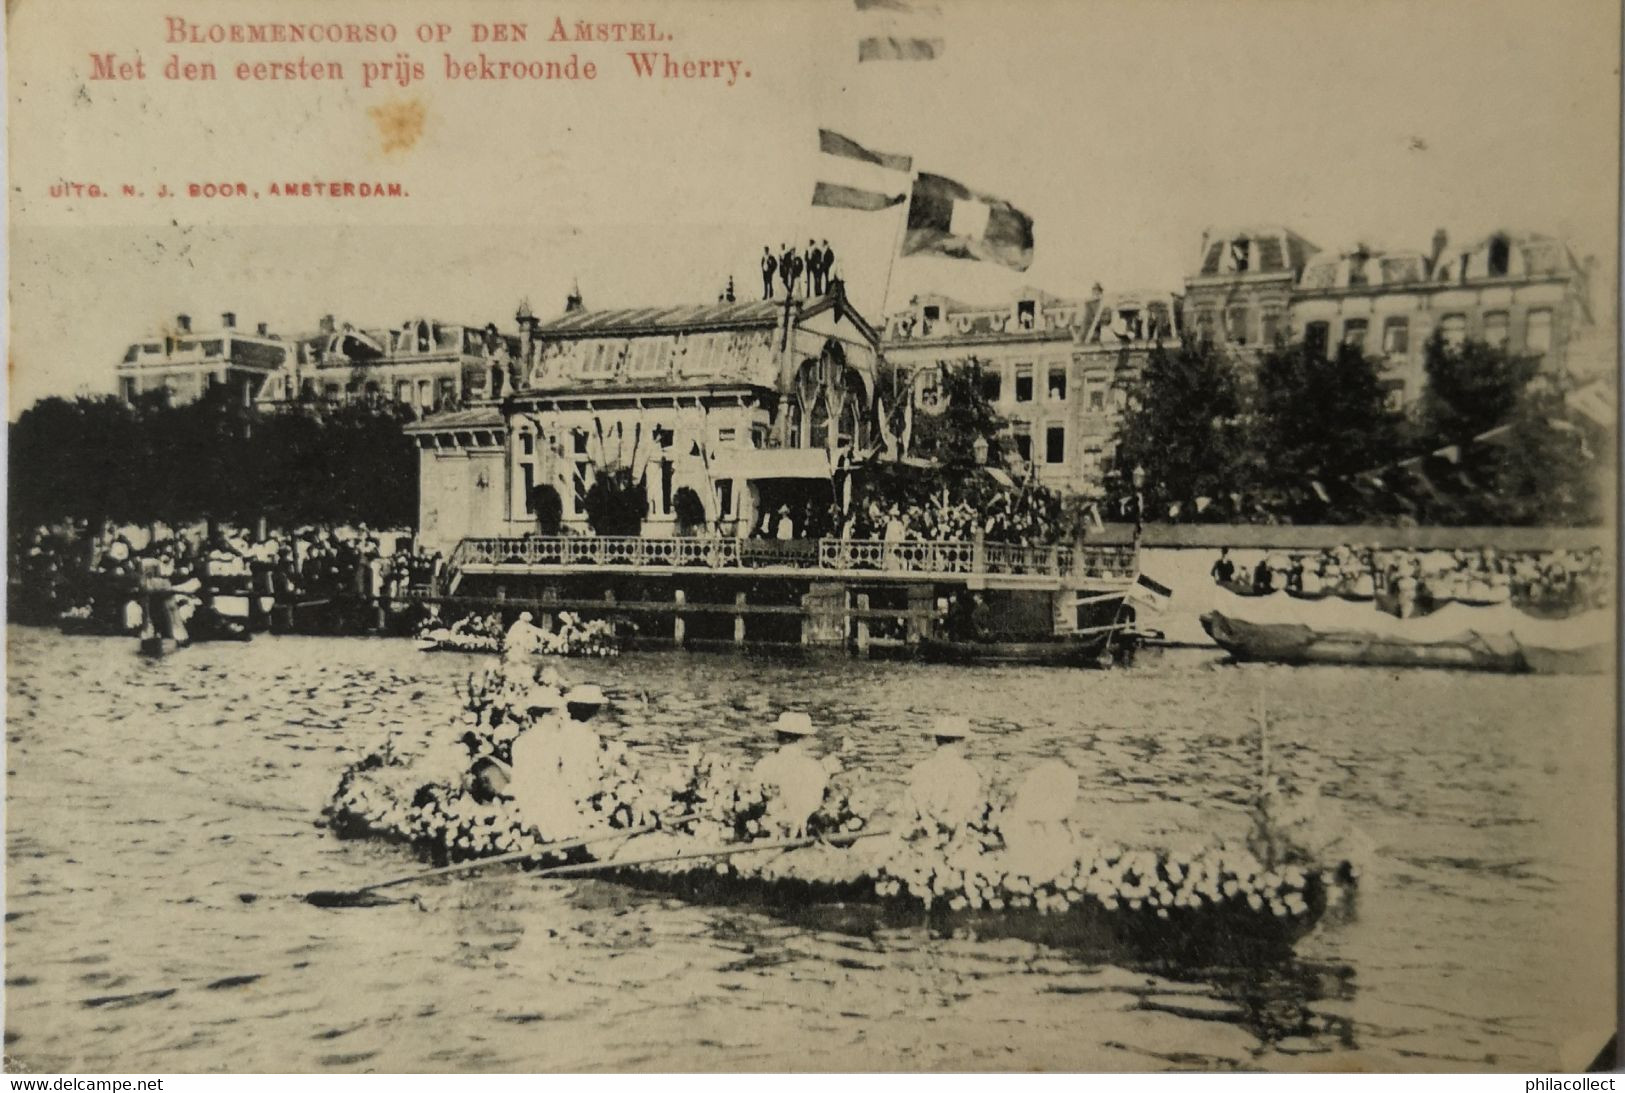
[144,799]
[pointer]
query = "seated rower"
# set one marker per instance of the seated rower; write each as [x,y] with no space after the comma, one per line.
[1038,840]
[794,778]
[554,766]
[944,789]
[522,638]
[490,777]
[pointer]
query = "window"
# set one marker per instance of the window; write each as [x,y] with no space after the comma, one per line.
[1394,394]
[1453,329]
[130,388]
[330,391]
[1357,270]
[1269,326]
[665,486]
[758,436]
[403,390]
[1496,328]
[1538,331]
[1315,336]
[1055,444]
[598,358]
[1236,323]
[1091,457]
[726,436]
[1097,399]
[992,382]
[725,496]
[664,437]
[1239,254]
[1354,331]
[1024,447]
[425,394]
[1025,314]
[932,313]
[527,444]
[1204,323]
[648,357]
[581,480]
[1057,382]
[1024,383]
[529,472]
[446,391]
[1396,335]
[578,441]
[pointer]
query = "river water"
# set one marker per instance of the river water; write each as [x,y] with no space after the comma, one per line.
[145,800]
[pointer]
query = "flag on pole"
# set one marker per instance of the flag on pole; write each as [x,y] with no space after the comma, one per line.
[1150,593]
[899,49]
[899,30]
[950,220]
[872,166]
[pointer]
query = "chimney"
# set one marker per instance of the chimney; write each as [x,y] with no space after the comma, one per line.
[228,319]
[1096,291]
[327,324]
[183,324]
[1441,240]
[573,302]
[262,329]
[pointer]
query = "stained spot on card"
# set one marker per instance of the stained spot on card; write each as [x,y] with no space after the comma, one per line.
[400,123]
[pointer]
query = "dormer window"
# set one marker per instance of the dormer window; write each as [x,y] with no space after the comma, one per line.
[1500,256]
[1238,254]
[1026,312]
[932,313]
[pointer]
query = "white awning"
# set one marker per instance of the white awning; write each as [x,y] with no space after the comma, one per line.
[754,464]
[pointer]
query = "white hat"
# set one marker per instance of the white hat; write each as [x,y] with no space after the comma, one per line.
[794,723]
[951,726]
[543,697]
[585,694]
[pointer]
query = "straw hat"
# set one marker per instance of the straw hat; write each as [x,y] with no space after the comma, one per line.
[586,694]
[794,723]
[543,697]
[950,726]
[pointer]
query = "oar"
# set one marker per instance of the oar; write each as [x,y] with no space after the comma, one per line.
[719,852]
[361,897]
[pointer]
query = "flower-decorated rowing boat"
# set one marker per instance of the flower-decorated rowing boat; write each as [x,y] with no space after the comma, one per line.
[698,833]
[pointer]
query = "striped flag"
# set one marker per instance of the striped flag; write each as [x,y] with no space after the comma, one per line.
[899,30]
[874,166]
[950,220]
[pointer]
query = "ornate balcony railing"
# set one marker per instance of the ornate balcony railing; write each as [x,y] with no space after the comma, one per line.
[910,556]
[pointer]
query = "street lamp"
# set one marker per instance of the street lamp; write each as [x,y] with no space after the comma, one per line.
[978,451]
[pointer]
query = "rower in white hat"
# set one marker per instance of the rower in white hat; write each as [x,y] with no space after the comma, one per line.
[794,778]
[944,788]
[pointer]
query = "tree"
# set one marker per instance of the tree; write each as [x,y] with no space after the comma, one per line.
[1314,422]
[1182,425]
[549,508]
[615,504]
[689,509]
[1471,388]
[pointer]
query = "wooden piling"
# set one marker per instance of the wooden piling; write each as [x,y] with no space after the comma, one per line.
[863,623]
[739,619]
[678,629]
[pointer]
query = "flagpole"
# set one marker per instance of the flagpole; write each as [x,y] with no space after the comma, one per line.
[891,260]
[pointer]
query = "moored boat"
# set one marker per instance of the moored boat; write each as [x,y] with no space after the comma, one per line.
[1486,639]
[1060,652]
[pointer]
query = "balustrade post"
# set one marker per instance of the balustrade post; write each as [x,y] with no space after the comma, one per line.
[678,628]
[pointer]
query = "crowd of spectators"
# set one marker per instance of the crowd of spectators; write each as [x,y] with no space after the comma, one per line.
[95,572]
